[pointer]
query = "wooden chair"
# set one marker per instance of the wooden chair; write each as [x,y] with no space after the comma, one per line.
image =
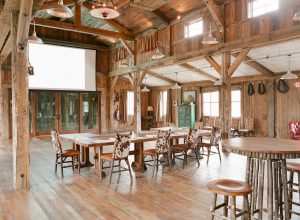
[213,141]
[62,156]
[235,124]
[230,189]
[292,168]
[294,129]
[162,147]
[120,152]
[191,143]
[249,128]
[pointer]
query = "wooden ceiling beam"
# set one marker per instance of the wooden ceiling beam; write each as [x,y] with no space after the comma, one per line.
[161,77]
[197,71]
[258,67]
[79,28]
[6,49]
[141,77]
[242,55]
[215,13]
[131,78]
[214,64]
[162,18]
[127,46]
[50,4]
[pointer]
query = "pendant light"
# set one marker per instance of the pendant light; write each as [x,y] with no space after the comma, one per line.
[33,38]
[176,86]
[104,11]
[60,10]
[209,40]
[145,89]
[296,16]
[289,74]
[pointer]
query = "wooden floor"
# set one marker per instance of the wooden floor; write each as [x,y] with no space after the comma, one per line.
[175,194]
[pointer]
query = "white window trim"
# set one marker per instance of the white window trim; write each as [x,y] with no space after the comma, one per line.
[250,10]
[186,28]
[210,103]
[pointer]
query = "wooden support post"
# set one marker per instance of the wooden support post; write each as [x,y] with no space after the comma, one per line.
[20,103]
[271,108]
[137,102]
[4,102]
[226,93]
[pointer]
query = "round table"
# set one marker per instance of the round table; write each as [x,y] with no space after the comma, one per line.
[274,152]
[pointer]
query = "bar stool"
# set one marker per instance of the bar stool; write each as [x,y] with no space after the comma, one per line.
[229,188]
[293,167]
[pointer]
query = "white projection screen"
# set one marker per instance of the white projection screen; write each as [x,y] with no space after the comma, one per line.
[62,68]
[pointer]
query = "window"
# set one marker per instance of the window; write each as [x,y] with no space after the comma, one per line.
[193,28]
[260,7]
[211,103]
[163,104]
[130,103]
[236,103]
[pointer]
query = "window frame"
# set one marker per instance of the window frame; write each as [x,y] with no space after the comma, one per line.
[250,9]
[187,30]
[210,103]
[127,104]
[240,101]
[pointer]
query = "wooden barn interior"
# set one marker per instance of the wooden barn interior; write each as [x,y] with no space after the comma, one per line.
[197,101]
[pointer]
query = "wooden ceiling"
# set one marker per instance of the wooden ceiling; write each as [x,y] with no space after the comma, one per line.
[135,17]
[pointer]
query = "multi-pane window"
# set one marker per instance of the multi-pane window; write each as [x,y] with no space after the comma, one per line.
[193,28]
[130,103]
[163,104]
[260,7]
[211,103]
[236,103]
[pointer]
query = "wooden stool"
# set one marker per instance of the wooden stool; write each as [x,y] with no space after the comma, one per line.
[293,167]
[230,188]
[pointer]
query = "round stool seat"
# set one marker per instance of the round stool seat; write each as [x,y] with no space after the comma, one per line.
[293,166]
[228,187]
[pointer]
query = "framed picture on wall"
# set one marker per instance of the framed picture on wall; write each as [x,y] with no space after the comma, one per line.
[189,96]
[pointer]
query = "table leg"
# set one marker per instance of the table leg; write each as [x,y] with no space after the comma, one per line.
[270,190]
[85,155]
[285,190]
[98,152]
[247,176]
[276,187]
[138,163]
[261,188]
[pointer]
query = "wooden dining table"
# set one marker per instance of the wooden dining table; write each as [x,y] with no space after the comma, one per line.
[272,152]
[85,141]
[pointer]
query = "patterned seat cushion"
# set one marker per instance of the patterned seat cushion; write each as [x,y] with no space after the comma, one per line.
[163,141]
[121,146]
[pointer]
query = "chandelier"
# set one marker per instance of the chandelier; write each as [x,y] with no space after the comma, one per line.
[104,10]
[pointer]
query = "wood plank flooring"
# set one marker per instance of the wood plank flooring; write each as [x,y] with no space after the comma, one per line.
[175,194]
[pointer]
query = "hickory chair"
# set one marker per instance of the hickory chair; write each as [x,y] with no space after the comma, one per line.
[294,128]
[248,128]
[235,123]
[162,147]
[120,152]
[63,155]
[213,141]
[190,143]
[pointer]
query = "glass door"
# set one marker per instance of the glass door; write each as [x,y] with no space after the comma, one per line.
[69,112]
[90,111]
[46,112]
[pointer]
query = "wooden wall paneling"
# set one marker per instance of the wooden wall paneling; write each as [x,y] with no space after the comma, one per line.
[270,86]
[137,102]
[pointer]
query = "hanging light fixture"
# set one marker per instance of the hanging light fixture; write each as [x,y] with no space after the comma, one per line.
[209,39]
[158,54]
[289,74]
[104,11]
[33,38]
[296,16]
[176,85]
[60,10]
[145,89]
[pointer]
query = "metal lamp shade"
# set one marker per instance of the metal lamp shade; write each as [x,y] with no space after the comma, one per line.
[145,89]
[209,40]
[296,16]
[104,12]
[289,75]
[158,54]
[34,39]
[60,10]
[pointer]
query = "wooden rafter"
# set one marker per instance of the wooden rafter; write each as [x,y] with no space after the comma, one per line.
[162,18]
[130,78]
[214,64]
[77,13]
[242,55]
[161,77]
[127,46]
[258,67]
[141,77]
[197,71]
[113,83]
[215,13]
[79,28]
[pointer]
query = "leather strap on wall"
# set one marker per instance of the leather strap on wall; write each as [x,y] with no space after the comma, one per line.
[251,90]
[261,88]
[282,86]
